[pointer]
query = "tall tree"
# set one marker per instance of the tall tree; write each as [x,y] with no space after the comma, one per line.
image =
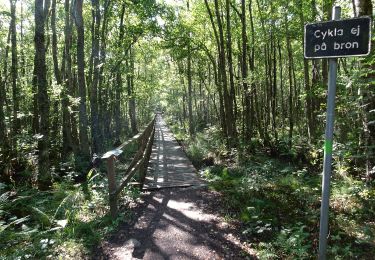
[131,94]
[119,82]
[83,122]
[56,71]
[67,141]
[232,93]
[244,70]
[3,128]
[14,69]
[190,80]
[96,17]
[306,73]
[44,175]
[290,74]
[365,7]
[229,115]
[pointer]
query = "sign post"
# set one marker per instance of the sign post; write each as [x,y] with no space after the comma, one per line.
[328,144]
[333,39]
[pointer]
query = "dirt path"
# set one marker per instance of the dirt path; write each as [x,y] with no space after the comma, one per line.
[178,223]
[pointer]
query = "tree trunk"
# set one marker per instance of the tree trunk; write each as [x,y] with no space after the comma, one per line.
[102,102]
[57,73]
[232,95]
[223,75]
[254,108]
[274,91]
[189,93]
[189,76]
[14,71]
[247,102]
[44,175]
[306,74]
[67,142]
[117,107]
[130,82]
[94,86]
[364,7]
[290,74]
[3,128]
[283,110]
[83,122]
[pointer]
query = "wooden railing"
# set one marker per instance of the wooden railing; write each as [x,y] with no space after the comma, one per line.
[139,163]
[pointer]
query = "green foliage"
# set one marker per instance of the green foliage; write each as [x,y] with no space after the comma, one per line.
[279,204]
[63,222]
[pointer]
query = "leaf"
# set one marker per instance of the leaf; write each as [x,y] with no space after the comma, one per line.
[42,217]
[90,173]
[15,222]
[61,204]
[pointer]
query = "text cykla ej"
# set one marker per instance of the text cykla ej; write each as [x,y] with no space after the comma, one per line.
[335,33]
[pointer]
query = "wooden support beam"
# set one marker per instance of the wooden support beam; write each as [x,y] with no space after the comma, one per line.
[112,186]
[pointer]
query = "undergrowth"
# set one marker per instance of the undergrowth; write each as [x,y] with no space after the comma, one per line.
[277,201]
[65,222]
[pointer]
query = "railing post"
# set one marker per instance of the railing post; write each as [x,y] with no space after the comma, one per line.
[112,186]
[148,149]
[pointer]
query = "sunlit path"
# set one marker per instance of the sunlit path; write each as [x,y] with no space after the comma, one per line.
[169,166]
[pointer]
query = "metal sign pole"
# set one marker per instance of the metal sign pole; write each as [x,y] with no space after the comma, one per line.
[327,165]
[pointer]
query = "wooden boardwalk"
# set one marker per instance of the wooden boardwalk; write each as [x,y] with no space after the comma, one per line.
[169,166]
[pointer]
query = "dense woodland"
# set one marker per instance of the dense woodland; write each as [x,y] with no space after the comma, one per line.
[77,78]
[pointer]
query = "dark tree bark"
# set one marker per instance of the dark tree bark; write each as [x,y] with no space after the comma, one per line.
[104,129]
[55,119]
[3,128]
[130,84]
[56,69]
[306,74]
[315,82]
[282,103]
[274,90]
[228,104]
[4,142]
[44,175]
[67,141]
[290,74]
[118,89]
[14,71]
[365,7]
[244,69]
[94,86]
[232,94]
[83,122]
[254,108]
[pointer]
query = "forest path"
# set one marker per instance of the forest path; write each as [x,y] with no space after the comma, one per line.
[181,221]
[169,165]
[176,223]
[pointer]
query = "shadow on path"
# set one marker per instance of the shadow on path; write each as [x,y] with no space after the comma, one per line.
[176,224]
